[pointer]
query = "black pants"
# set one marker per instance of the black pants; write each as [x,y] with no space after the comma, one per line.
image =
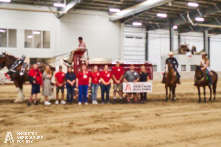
[143,96]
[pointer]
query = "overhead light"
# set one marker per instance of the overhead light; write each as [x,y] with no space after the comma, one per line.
[36,32]
[162,15]
[175,27]
[199,19]
[137,24]
[2,31]
[5,1]
[191,4]
[114,10]
[59,5]
[30,37]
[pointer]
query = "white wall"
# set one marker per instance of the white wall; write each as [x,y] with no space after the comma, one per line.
[21,21]
[215,52]
[101,36]
[159,46]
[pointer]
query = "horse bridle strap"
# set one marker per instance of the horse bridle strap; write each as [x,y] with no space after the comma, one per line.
[200,79]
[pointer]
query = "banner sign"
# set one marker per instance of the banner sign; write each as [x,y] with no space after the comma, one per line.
[132,87]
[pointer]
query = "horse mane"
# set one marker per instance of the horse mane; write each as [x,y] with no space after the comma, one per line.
[11,56]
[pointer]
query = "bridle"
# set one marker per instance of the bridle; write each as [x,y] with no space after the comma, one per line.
[202,76]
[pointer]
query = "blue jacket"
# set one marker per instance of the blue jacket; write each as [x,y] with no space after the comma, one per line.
[70,77]
[173,61]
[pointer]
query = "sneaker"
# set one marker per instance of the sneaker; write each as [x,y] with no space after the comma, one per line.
[94,102]
[63,102]
[121,98]
[79,103]
[28,104]
[115,98]
[86,103]
[47,103]
[56,102]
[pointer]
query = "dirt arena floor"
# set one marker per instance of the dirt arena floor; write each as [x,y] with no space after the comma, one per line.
[155,123]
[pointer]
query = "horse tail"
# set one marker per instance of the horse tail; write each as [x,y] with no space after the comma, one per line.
[215,80]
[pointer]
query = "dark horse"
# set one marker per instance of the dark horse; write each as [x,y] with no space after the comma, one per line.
[201,80]
[7,61]
[170,82]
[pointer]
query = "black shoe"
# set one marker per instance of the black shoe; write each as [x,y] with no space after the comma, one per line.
[28,104]
[36,103]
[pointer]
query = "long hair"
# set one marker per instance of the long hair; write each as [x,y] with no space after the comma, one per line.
[205,59]
[47,71]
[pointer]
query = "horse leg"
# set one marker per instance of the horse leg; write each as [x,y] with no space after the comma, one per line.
[214,91]
[170,92]
[173,94]
[210,89]
[204,92]
[166,87]
[17,85]
[199,94]
[22,91]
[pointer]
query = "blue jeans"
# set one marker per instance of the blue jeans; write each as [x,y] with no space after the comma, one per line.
[209,77]
[70,92]
[105,89]
[94,88]
[82,93]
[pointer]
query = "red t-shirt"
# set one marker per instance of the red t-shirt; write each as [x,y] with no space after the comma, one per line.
[36,75]
[95,76]
[117,72]
[83,78]
[60,77]
[106,76]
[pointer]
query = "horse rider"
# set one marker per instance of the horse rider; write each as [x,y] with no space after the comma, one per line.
[205,66]
[81,46]
[172,60]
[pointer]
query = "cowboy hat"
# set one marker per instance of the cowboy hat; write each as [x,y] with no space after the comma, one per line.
[204,53]
[170,53]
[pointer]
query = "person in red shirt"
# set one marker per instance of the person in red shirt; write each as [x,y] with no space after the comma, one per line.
[95,77]
[60,81]
[117,75]
[35,77]
[105,83]
[82,83]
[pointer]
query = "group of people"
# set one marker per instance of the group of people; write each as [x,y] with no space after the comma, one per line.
[85,80]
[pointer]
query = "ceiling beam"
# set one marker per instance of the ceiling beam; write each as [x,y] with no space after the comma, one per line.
[68,7]
[137,9]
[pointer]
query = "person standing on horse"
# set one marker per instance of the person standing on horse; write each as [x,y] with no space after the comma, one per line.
[172,60]
[81,46]
[204,63]
[36,81]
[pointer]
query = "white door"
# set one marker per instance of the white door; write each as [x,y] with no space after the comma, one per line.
[134,44]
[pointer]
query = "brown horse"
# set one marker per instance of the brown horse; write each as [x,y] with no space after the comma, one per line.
[7,61]
[170,82]
[201,80]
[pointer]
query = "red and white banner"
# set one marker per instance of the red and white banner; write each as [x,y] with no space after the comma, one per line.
[137,87]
